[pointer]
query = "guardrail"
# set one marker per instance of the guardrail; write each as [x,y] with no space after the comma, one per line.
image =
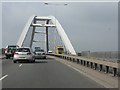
[105,66]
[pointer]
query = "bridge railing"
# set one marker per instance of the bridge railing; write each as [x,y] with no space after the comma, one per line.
[102,66]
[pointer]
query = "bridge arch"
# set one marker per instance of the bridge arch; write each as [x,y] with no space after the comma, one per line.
[32,22]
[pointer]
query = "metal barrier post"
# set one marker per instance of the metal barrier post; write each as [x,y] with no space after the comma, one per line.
[84,63]
[87,64]
[107,69]
[77,60]
[114,71]
[101,67]
[91,64]
[95,66]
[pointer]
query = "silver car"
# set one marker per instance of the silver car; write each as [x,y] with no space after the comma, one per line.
[23,54]
[40,53]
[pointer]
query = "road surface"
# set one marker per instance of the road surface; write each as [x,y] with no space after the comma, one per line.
[44,73]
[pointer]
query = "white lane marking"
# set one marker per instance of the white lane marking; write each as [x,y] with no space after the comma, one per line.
[20,65]
[3,77]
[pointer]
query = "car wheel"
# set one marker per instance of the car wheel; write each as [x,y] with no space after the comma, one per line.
[33,60]
[6,57]
[44,57]
[14,61]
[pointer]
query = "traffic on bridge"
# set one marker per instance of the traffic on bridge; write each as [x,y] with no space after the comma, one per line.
[45,55]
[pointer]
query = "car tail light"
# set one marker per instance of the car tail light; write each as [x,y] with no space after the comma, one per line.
[6,50]
[15,53]
[29,53]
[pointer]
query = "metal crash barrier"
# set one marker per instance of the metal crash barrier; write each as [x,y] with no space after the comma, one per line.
[102,66]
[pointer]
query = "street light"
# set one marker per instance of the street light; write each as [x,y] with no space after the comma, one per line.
[46,3]
[55,4]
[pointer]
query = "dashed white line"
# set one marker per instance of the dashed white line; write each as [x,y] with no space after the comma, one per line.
[3,77]
[20,65]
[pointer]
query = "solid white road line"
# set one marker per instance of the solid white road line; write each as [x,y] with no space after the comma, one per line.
[20,65]
[3,77]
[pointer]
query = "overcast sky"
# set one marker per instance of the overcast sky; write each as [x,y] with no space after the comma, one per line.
[89,25]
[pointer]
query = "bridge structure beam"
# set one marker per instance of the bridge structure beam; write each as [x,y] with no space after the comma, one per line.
[32,22]
[47,43]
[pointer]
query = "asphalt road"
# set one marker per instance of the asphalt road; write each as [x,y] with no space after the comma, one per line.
[44,73]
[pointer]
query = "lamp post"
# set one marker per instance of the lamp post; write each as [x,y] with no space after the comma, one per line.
[55,4]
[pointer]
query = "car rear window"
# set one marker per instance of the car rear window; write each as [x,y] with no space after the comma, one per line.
[23,50]
[41,50]
[12,47]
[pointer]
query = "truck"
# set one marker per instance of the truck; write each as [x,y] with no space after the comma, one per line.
[59,49]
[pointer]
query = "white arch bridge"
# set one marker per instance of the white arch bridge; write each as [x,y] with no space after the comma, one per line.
[57,71]
[47,22]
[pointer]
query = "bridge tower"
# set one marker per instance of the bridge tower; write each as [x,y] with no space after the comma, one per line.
[47,22]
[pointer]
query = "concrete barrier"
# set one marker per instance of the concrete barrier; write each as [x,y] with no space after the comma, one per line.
[105,66]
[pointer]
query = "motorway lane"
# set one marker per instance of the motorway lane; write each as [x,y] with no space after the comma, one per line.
[44,73]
